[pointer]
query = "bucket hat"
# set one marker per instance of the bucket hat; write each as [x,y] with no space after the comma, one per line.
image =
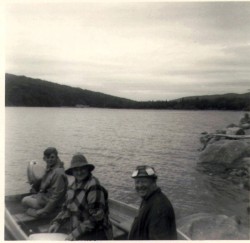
[78,160]
[144,171]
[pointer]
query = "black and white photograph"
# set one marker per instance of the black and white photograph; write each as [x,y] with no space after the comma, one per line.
[126,120]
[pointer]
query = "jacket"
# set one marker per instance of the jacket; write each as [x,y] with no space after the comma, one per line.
[53,187]
[86,208]
[155,220]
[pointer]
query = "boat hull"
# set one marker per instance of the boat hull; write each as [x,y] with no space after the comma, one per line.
[20,226]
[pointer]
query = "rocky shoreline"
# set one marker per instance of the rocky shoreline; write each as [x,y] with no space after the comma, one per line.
[228,158]
[225,153]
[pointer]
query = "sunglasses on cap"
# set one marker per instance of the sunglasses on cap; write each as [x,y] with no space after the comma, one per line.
[148,170]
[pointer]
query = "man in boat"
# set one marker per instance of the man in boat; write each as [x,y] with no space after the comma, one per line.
[156,218]
[86,205]
[52,189]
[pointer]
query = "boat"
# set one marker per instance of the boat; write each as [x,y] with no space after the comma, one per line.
[20,226]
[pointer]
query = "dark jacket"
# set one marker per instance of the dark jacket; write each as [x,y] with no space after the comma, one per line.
[155,220]
[53,187]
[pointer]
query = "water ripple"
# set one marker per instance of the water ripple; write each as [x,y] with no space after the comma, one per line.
[116,141]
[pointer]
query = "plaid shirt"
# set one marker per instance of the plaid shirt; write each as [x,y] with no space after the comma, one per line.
[86,208]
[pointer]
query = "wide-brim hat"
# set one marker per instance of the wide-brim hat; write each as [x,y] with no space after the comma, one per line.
[144,171]
[78,160]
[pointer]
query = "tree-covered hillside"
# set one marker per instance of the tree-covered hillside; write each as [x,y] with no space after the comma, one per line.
[218,102]
[24,91]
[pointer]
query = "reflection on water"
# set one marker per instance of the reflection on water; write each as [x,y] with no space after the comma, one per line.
[116,141]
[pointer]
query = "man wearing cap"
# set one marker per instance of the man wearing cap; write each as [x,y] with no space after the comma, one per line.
[86,205]
[156,218]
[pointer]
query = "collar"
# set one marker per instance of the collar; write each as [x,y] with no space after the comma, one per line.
[81,185]
[49,168]
[157,189]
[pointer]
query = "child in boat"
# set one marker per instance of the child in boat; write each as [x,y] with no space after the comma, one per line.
[52,188]
[86,205]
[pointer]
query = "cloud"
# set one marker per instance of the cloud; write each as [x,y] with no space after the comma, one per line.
[142,50]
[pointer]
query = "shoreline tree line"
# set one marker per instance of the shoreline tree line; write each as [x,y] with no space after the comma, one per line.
[29,92]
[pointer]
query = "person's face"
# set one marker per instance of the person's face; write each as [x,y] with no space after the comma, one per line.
[81,173]
[51,159]
[144,186]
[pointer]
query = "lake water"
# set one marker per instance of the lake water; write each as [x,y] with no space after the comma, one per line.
[116,141]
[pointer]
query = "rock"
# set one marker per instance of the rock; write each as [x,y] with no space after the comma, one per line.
[248,210]
[245,126]
[205,226]
[246,161]
[221,131]
[246,184]
[236,180]
[224,151]
[242,164]
[232,125]
[235,131]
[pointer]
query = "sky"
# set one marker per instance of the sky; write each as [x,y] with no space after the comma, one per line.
[140,51]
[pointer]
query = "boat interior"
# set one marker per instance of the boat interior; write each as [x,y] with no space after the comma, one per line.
[121,216]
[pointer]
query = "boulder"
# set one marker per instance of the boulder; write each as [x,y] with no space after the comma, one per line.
[245,126]
[224,152]
[232,125]
[235,131]
[206,226]
[244,163]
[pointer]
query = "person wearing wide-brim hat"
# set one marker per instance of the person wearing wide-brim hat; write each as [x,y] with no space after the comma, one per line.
[156,217]
[79,161]
[86,206]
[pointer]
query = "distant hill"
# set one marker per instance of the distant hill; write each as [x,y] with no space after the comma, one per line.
[229,101]
[25,91]
[212,97]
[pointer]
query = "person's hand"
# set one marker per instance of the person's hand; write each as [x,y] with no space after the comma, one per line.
[40,212]
[33,190]
[70,237]
[97,214]
[32,212]
[35,213]
[54,228]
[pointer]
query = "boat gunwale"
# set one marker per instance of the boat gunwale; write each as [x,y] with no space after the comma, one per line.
[121,226]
